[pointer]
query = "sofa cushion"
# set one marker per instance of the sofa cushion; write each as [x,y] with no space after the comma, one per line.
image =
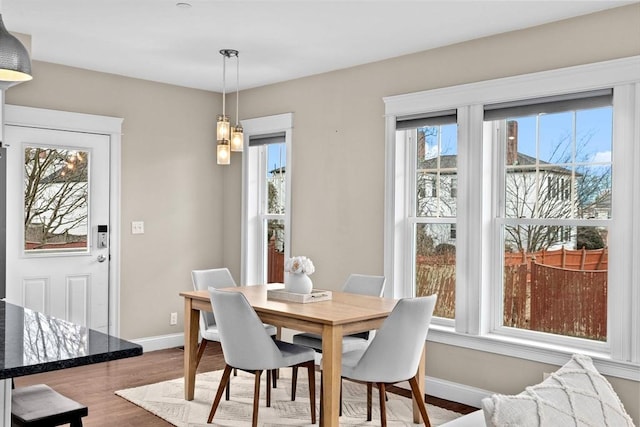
[576,394]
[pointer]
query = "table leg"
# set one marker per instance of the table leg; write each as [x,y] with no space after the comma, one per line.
[417,418]
[331,373]
[191,329]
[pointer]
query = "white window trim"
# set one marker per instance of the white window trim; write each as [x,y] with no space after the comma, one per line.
[474,302]
[253,264]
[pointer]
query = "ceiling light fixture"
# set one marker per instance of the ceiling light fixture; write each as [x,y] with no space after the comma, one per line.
[15,64]
[229,138]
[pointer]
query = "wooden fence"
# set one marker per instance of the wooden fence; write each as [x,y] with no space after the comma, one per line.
[437,275]
[561,292]
[275,264]
[571,302]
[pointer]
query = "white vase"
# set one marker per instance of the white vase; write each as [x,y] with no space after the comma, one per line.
[298,283]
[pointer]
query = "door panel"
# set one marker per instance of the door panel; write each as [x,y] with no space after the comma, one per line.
[57,195]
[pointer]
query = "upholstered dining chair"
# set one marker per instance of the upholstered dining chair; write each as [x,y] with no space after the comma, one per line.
[246,345]
[394,353]
[362,284]
[216,278]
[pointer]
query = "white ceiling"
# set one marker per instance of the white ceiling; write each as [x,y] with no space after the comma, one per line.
[278,40]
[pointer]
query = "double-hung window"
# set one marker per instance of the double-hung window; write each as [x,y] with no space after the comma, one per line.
[432,148]
[514,200]
[266,201]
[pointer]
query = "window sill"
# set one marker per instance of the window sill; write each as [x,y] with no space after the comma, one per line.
[532,350]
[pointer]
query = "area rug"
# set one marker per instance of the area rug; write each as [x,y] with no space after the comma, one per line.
[166,400]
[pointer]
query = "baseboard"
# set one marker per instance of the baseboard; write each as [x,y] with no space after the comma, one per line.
[160,342]
[433,386]
[455,392]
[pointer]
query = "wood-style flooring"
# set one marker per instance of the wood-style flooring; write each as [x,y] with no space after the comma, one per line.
[94,385]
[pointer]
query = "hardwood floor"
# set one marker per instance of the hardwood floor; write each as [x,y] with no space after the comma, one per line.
[94,385]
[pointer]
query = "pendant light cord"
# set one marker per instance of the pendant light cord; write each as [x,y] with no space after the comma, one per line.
[237,89]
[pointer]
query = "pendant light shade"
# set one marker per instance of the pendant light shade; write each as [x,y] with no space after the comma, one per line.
[224,152]
[222,128]
[15,64]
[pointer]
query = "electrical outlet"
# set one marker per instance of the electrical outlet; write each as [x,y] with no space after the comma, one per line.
[174,319]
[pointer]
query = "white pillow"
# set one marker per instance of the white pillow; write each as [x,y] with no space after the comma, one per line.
[574,395]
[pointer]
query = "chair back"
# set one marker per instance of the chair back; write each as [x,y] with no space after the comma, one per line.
[364,285]
[202,280]
[245,342]
[395,351]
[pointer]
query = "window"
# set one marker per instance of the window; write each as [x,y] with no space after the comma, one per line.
[557,162]
[433,145]
[543,192]
[56,200]
[267,189]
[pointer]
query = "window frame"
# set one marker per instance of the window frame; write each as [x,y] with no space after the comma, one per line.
[478,304]
[253,232]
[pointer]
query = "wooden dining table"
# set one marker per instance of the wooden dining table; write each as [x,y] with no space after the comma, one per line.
[344,314]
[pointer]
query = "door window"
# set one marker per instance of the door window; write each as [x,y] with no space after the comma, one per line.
[56,200]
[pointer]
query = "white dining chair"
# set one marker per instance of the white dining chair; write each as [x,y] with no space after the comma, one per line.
[246,345]
[217,278]
[394,353]
[361,284]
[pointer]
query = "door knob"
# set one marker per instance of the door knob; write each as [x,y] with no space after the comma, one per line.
[102,258]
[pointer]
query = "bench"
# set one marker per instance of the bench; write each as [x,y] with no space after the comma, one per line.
[41,406]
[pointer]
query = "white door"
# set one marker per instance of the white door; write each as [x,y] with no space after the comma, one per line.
[58,223]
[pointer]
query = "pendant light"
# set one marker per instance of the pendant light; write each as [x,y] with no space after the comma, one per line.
[237,136]
[229,138]
[15,64]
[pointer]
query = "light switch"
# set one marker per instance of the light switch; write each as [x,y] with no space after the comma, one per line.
[137,227]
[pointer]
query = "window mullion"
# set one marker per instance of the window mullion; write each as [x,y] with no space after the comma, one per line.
[469,220]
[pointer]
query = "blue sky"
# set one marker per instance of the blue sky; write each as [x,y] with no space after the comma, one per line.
[593,136]
[593,130]
[276,156]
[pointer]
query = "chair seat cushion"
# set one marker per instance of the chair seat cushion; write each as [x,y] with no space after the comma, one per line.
[40,405]
[294,354]
[349,342]
[211,333]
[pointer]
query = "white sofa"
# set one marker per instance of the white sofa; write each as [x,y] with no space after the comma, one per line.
[474,419]
[576,394]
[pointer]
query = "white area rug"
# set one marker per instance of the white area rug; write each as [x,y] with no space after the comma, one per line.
[166,400]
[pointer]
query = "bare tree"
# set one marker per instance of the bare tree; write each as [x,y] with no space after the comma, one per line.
[56,193]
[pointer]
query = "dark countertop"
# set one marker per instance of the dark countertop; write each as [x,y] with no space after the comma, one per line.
[31,342]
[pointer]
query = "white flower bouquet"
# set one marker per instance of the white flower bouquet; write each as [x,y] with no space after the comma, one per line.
[299,264]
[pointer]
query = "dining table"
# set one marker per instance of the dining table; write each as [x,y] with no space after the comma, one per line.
[343,314]
[32,342]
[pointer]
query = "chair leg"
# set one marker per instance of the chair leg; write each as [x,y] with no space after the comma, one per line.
[311,370]
[222,386]
[321,396]
[269,375]
[419,401]
[340,408]
[369,392]
[227,390]
[256,399]
[294,382]
[201,347]
[274,377]
[383,406]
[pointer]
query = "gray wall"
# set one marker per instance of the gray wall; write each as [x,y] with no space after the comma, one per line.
[191,206]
